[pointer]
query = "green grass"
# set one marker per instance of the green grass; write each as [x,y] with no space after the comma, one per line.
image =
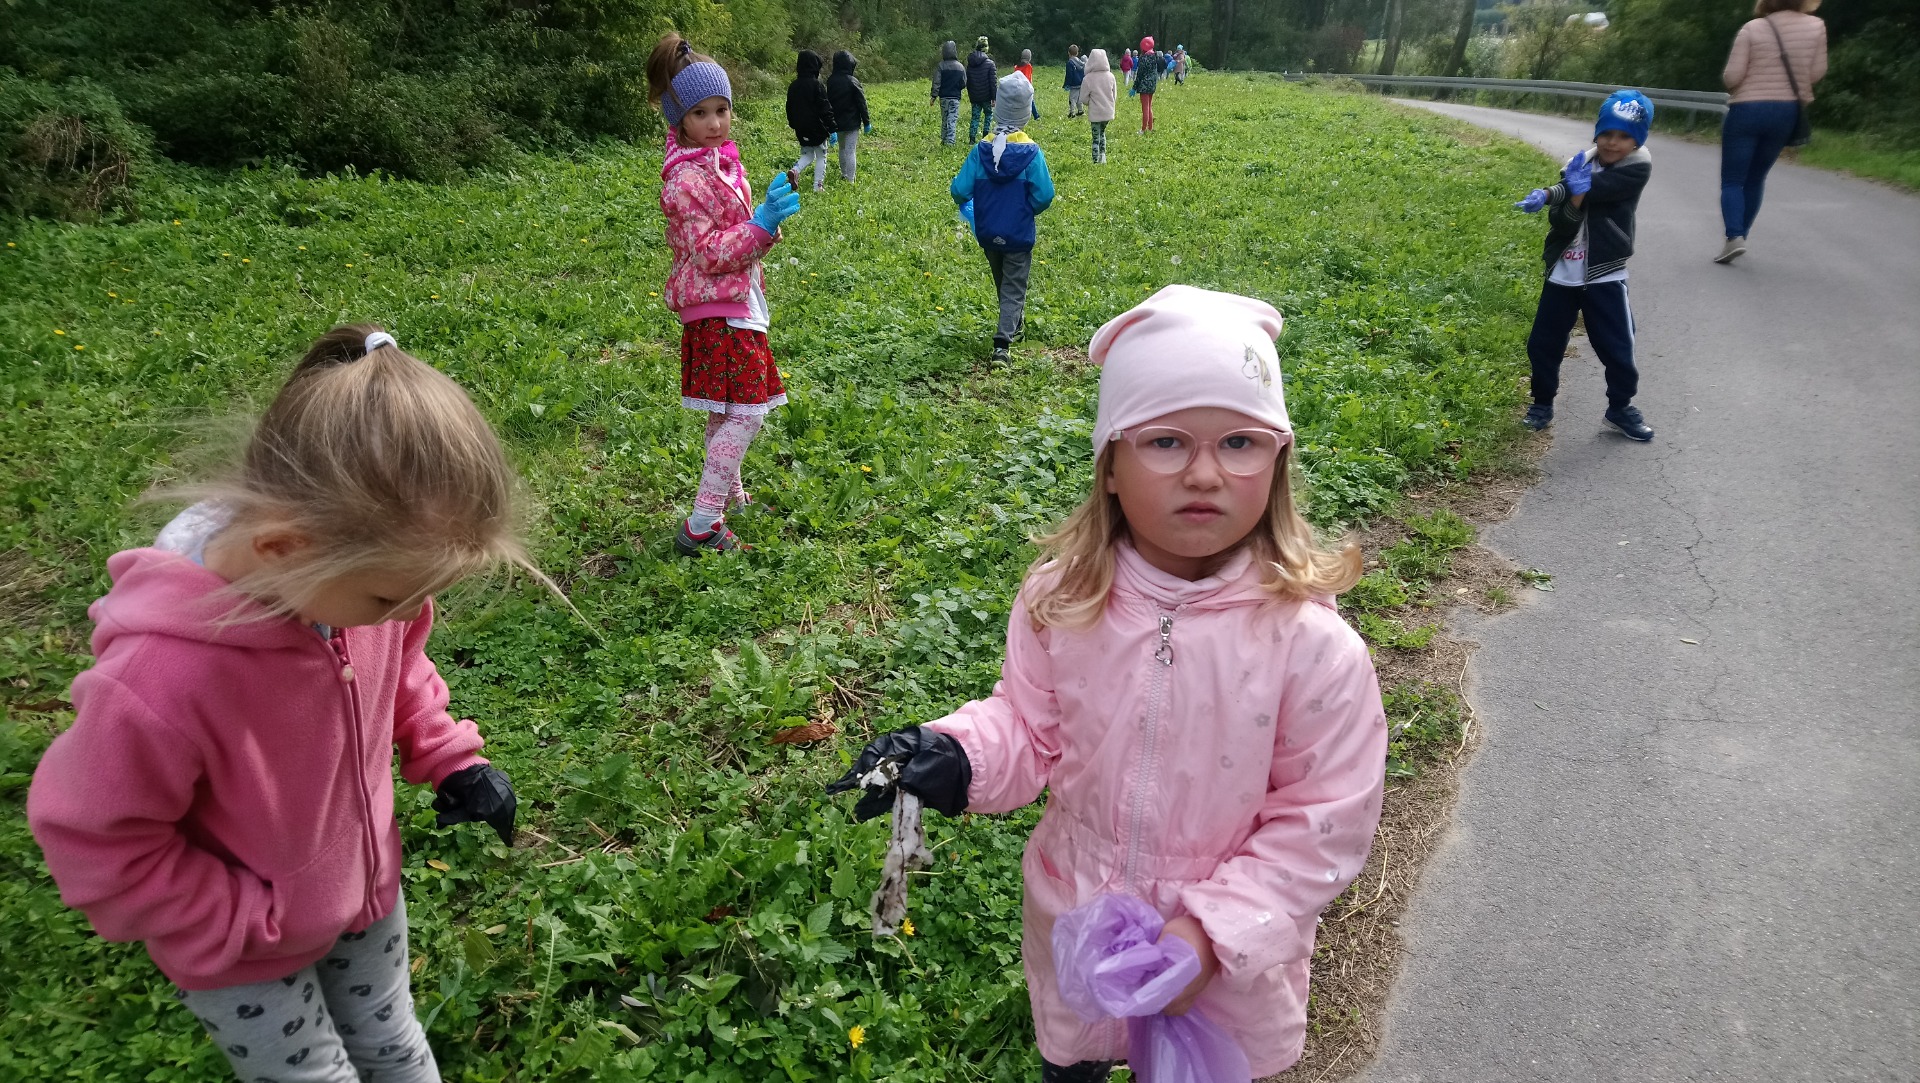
[1872,156]
[694,867]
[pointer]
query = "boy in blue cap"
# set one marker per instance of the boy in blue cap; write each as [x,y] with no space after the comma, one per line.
[1001,188]
[1589,239]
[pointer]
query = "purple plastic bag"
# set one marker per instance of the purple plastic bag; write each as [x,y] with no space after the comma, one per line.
[1109,966]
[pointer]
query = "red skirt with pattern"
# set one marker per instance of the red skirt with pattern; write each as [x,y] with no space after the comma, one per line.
[727,369]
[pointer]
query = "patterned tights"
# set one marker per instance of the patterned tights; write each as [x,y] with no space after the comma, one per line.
[727,438]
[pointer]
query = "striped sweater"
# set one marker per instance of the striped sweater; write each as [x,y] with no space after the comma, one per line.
[1754,70]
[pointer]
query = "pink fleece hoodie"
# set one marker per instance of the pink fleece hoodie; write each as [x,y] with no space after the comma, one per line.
[225,793]
[1206,749]
[708,204]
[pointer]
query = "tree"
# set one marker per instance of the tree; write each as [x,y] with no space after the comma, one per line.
[1390,55]
[1464,34]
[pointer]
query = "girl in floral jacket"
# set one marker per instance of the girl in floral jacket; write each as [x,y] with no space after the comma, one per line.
[715,284]
[1208,730]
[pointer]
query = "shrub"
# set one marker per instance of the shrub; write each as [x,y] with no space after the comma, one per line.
[66,150]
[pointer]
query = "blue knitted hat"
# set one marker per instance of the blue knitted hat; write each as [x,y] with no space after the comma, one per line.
[1626,111]
[696,82]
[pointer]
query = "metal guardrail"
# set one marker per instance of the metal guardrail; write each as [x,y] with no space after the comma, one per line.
[1699,101]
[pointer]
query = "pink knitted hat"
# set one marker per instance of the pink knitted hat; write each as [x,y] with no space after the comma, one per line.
[1186,347]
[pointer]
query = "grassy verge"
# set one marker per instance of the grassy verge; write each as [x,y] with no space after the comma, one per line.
[684,906]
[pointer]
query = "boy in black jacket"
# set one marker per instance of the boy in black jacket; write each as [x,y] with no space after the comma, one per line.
[949,81]
[1589,239]
[983,84]
[849,101]
[810,115]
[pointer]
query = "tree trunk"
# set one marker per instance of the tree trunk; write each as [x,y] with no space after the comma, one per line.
[1390,55]
[1223,12]
[1460,39]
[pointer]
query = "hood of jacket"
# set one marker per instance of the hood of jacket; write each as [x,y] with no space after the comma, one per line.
[844,63]
[950,51]
[1097,61]
[809,64]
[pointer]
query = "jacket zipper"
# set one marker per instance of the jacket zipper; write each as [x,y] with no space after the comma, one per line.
[1149,749]
[339,642]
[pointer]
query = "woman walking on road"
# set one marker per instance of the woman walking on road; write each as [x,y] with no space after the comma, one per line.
[1776,59]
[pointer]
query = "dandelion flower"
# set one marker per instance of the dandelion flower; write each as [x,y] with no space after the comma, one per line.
[176,221]
[77,346]
[866,470]
[10,244]
[303,248]
[856,1035]
[57,331]
[246,261]
[224,255]
[110,293]
[435,296]
[939,308]
[906,926]
[349,264]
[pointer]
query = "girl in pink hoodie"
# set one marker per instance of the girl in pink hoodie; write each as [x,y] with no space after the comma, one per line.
[715,284]
[225,792]
[1208,729]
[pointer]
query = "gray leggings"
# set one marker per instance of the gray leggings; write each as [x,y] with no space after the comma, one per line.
[817,158]
[849,152]
[346,1019]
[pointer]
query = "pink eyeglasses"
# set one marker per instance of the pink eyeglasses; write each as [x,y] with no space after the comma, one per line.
[1164,449]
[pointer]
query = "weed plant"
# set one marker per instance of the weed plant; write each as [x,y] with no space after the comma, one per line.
[684,905]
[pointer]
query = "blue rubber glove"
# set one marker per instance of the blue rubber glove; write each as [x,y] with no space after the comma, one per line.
[1578,174]
[833,139]
[781,204]
[1535,200]
[869,128]
[966,213]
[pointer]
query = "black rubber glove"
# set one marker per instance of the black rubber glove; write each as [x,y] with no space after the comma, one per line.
[933,767]
[480,792]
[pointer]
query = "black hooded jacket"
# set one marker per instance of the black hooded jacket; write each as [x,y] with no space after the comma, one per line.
[844,92]
[983,79]
[950,78]
[809,111]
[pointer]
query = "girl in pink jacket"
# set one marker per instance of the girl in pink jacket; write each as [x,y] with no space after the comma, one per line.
[715,284]
[225,792]
[1208,729]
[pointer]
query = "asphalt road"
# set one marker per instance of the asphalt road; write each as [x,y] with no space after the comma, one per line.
[1689,846]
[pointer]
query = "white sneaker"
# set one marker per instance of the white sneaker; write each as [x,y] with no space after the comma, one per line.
[1734,249]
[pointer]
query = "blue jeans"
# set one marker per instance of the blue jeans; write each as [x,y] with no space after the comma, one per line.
[1751,139]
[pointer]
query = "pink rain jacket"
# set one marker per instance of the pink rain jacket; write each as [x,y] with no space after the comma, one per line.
[1211,751]
[708,202]
[226,793]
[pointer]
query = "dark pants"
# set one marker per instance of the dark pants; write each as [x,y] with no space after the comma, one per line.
[1609,329]
[1010,282]
[980,122]
[1087,1071]
[1751,139]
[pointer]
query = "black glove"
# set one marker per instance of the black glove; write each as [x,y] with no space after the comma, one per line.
[933,767]
[480,792]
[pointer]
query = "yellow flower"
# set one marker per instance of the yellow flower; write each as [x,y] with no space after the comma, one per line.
[77,346]
[866,470]
[176,221]
[906,926]
[246,261]
[57,331]
[9,244]
[110,293]
[650,293]
[939,308]
[349,264]
[224,255]
[924,274]
[856,1035]
[435,296]
[303,248]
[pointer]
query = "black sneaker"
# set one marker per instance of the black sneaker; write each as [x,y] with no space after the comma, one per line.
[717,540]
[1538,417]
[1628,420]
[1001,355]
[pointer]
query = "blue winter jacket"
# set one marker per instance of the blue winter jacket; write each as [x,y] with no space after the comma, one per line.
[1006,197]
[1076,72]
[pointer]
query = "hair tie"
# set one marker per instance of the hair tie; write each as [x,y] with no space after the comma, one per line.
[379,339]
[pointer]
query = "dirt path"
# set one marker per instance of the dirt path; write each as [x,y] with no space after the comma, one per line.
[1689,847]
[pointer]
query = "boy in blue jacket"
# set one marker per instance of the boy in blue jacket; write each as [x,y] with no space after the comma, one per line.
[1589,239]
[1001,188]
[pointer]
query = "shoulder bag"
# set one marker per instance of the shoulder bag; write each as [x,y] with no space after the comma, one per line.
[1802,131]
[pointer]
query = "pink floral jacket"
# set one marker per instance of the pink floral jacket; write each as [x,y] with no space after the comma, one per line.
[708,204]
